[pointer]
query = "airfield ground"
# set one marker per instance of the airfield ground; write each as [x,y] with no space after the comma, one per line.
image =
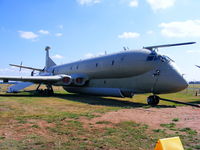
[70,121]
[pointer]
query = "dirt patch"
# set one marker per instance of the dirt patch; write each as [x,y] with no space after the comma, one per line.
[153,117]
[17,131]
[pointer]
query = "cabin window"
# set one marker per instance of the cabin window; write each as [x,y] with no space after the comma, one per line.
[122,59]
[97,64]
[104,81]
[77,67]
[113,62]
[71,68]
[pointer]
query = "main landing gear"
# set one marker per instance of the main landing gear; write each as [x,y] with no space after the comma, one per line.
[153,100]
[46,92]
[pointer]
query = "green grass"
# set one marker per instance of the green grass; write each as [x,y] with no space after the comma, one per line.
[175,119]
[188,131]
[41,122]
[103,122]
[188,136]
[169,126]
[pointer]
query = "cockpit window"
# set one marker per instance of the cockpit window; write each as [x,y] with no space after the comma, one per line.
[152,56]
[166,59]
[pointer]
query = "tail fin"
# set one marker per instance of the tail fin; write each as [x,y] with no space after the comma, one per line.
[49,61]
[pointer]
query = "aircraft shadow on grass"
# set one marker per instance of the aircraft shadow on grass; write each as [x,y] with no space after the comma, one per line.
[92,100]
[196,102]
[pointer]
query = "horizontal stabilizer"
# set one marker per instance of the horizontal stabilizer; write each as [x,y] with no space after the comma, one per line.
[25,67]
[168,45]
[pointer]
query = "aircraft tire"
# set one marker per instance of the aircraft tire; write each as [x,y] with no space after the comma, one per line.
[153,100]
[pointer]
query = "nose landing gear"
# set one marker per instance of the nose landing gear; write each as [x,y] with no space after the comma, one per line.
[153,100]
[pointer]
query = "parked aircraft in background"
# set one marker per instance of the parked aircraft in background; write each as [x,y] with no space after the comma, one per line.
[121,74]
[198,66]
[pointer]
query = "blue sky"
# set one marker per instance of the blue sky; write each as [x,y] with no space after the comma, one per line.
[78,29]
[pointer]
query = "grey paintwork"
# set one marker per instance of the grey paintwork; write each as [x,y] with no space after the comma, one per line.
[119,65]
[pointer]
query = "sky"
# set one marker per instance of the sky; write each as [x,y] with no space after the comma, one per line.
[78,29]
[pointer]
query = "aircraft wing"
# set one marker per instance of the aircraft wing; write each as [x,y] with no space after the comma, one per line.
[38,79]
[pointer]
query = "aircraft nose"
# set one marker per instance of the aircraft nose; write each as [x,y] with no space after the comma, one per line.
[170,81]
[180,83]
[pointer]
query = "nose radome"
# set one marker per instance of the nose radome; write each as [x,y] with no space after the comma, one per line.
[181,83]
[170,81]
[176,82]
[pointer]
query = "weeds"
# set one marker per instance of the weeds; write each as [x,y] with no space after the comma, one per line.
[175,119]
[188,131]
[103,122]
[169,126]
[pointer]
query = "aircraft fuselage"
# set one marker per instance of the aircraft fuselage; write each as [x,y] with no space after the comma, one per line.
[124,74]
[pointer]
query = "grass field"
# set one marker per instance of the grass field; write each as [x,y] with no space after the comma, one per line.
[29,121]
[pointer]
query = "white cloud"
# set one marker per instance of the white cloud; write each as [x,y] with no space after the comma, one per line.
[193,51]
[12,71]
[60,26]
[57,56]
[127,35]
[133,3]
[160,4]
[43,32]
[150,32]
[189,28]
[91,55]
[86,2]
[58,34]
[27,35]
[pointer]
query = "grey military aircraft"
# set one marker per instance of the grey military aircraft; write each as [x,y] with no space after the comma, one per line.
[122,74]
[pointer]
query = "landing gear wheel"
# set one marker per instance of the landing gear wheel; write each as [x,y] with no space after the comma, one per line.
[46,92]
[153,100]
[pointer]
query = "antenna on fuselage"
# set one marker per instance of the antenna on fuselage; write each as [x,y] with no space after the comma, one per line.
[20,69]
[125,48]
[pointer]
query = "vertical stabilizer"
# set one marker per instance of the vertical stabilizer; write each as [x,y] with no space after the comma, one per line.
[49,61]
